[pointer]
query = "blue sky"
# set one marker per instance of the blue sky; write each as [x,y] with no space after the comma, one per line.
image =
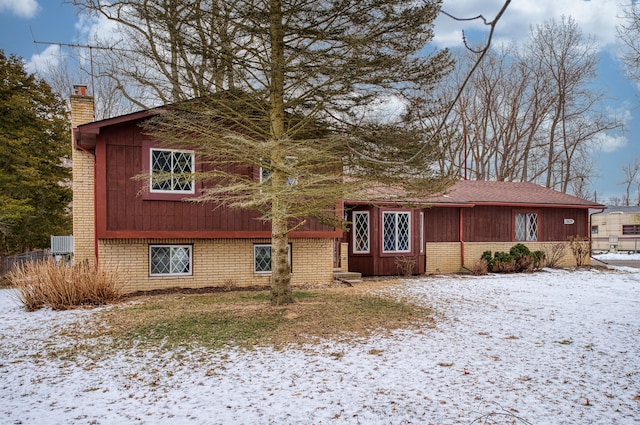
[22,21]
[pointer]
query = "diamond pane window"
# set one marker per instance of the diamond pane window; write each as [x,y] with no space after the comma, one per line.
[169,260]
[361,232]
[526,227]
[172,171]
[262,258]
[396,232]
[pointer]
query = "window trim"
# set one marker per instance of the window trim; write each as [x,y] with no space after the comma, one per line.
[421,226]
[526,213]
[170,274]
[409,238]
[355,232]
[255,245]
[172,191]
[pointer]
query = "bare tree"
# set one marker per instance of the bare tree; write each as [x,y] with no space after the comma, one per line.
[530,113]
[629,33]
[62,76]
[631,177]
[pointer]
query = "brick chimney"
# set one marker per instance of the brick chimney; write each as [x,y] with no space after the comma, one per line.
[82,110]
[85,246]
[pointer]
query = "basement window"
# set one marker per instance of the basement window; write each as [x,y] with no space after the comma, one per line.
[170,260]
[262,258]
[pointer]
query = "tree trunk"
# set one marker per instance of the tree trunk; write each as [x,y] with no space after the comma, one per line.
[280,268]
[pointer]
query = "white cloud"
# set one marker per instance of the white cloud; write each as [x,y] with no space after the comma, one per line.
[610,143]
[41,61]
[98,28]
[23,8]
[597,18]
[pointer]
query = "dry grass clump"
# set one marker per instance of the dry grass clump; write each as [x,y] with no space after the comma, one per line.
[61,287]
[405,265]
[480,268]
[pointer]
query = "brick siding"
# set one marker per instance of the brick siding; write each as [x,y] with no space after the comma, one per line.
[216,262]
[82,184]
[445,257]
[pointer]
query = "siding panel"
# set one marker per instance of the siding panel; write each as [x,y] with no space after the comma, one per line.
[127,210]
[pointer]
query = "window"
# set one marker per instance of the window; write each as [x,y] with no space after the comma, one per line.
[170,260]
[172,171]
[360,232]
[526,227]
[631,229]
[262,258]
[594,229]
[265,174]
[396,232]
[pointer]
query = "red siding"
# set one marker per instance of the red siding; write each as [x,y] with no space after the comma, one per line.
[442,224]
[377,263]
[127,213]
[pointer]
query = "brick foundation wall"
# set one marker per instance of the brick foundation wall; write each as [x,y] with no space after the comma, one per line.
[445,257]
[216,262]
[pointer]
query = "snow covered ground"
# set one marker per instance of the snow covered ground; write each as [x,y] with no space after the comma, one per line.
[618,256]
[554,347]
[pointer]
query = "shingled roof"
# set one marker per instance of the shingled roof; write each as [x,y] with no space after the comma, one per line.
[471,193]
[508,193]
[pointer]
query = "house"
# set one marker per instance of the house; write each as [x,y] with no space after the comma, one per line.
[616,229]
[448,233]
[151,232]
[148,229]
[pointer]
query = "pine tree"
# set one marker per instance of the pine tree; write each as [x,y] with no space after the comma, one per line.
[300,91]
[34,154]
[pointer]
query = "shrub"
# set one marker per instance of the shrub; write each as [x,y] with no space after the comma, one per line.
[405,265]
[523,263]
[61,287]
[580,249]
[539,258]
[504,267]
[480,268]
[519,250]
[503,257]
[486,256]
[554,253]
[519,259]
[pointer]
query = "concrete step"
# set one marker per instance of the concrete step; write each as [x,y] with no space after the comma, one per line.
[348,277]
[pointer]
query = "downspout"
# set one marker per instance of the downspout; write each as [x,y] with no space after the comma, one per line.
[590,234]
[461,238]
[95,213]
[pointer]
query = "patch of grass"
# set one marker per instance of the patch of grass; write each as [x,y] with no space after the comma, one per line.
[246,319]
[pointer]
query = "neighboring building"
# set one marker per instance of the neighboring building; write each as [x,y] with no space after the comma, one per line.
[616,229]
[450,232]
[147,230]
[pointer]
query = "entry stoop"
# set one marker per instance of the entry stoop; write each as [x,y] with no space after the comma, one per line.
[348,277]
